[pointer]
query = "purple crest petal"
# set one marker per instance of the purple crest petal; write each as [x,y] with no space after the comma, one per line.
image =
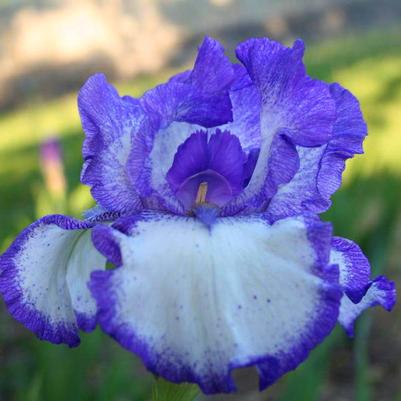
[191,158]
[218,161]
[227,158]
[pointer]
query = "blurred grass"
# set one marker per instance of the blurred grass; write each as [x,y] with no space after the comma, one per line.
[367,209]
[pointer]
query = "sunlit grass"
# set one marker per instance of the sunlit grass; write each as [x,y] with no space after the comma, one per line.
[377,84]
[33,122]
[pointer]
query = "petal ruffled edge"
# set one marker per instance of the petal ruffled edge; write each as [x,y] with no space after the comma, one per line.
[354,267]
[379,292]
[359,292]
[349,133]
[111,123]
[321,168]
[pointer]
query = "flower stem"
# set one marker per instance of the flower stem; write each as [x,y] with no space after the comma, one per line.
[166,391]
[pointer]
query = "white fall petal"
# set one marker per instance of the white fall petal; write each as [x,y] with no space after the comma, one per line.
[195,303]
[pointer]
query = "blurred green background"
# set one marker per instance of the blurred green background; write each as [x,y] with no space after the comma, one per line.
[364,56]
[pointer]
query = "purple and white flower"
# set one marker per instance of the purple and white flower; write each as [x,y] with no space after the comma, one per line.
[208,189]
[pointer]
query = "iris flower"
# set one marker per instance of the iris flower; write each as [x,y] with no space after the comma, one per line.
[208,191]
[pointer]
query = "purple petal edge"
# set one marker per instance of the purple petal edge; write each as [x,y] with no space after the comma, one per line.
[319,234]
[12,293]
[105,243]
[379,292]
[354,275]
[349,132]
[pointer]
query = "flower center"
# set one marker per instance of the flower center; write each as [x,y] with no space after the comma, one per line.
[204,187]
[209,170]
[201,195]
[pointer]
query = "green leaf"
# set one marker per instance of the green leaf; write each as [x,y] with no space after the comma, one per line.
[165,391]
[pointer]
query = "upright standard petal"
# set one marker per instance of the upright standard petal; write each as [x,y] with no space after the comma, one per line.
[246,106]
[44,275]
[290,99]
[320,171]
[200,96]
[111,163]
[195,302]
[194,100]
[295,110]
[359,292]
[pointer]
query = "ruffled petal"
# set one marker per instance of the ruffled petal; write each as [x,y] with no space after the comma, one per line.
[44,275]
[111,164]
[185,104]
[292,105]
[195,302]
[290,99]
[359,292]
[320,171]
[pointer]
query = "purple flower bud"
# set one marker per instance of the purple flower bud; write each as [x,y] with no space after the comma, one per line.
[52,166]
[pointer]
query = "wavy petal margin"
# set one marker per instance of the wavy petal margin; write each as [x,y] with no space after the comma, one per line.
[360,293]
[321,168]
[111,162]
